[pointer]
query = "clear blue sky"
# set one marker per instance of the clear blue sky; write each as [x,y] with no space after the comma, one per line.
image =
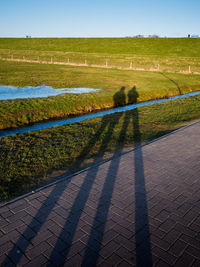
[98,18]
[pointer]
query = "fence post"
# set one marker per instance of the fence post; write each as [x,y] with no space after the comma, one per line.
[131,65]
[189,69]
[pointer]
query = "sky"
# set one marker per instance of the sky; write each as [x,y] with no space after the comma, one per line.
[99,18]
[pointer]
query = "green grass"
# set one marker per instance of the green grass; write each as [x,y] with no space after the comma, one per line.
[150,85]
[27,159]
[138,46]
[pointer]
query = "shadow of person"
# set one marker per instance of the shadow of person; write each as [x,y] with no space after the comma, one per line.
[120,98]
[142,229]
[132,95]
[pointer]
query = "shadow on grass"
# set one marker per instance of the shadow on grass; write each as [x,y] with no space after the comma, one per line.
[171,80]
[93,244]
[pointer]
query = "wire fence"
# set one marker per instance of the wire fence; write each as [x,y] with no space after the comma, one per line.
[107,63]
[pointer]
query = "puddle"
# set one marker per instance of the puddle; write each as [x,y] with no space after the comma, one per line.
[11,92]
[61,122]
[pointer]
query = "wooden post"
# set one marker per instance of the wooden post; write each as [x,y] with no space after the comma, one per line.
[131,65]
[85,62]
[189,69]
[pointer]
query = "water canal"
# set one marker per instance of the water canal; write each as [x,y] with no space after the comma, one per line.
[61,122]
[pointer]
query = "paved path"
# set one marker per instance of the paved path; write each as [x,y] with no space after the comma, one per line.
[140,208]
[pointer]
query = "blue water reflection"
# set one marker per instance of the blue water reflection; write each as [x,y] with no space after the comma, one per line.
[11,92]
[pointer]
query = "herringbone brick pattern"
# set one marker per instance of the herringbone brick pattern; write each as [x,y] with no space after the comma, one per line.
[141,208]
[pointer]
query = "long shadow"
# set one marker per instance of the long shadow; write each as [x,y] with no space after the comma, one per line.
[171,80]
[94,243]
[69,229]
[142,232]
[142,236]
[16,253]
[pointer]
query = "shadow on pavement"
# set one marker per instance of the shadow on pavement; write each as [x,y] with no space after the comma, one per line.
[93,244]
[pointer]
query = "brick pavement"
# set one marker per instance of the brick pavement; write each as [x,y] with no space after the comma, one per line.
[142,207]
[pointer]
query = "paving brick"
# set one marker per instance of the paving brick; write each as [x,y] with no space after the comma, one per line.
[5,247]
[165,256]
[108,250]
[163,215]
[161,263]
[11,236]
[41,236]
[3,222]
[124,263]
[160,242]
[54,258]
[122,231]
[6,262]
[177,248]
[113,260]
[195,252]
[74,249]
[37,250]
[157,232]
[125,254]
[108,236]
[12,226]
[192,241]
[74,261]
[6,214]
[38,261]
[18,257]
[184,230]
[57,243]
[184,260]
[167,225]
[129,244]
[171,236]
[17,216]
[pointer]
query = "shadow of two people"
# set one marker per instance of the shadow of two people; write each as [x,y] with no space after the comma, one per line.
[120,97]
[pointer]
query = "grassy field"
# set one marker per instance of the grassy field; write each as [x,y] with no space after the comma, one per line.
[167,54]
[27,159]
[150,85]
[189,47]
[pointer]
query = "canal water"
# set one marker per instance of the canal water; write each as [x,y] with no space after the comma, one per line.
[60,122]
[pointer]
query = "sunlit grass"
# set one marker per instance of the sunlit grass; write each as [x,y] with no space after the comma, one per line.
[26,159]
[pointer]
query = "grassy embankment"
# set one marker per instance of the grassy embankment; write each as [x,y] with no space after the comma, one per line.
[150,85]
[168,54]
[25,160]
